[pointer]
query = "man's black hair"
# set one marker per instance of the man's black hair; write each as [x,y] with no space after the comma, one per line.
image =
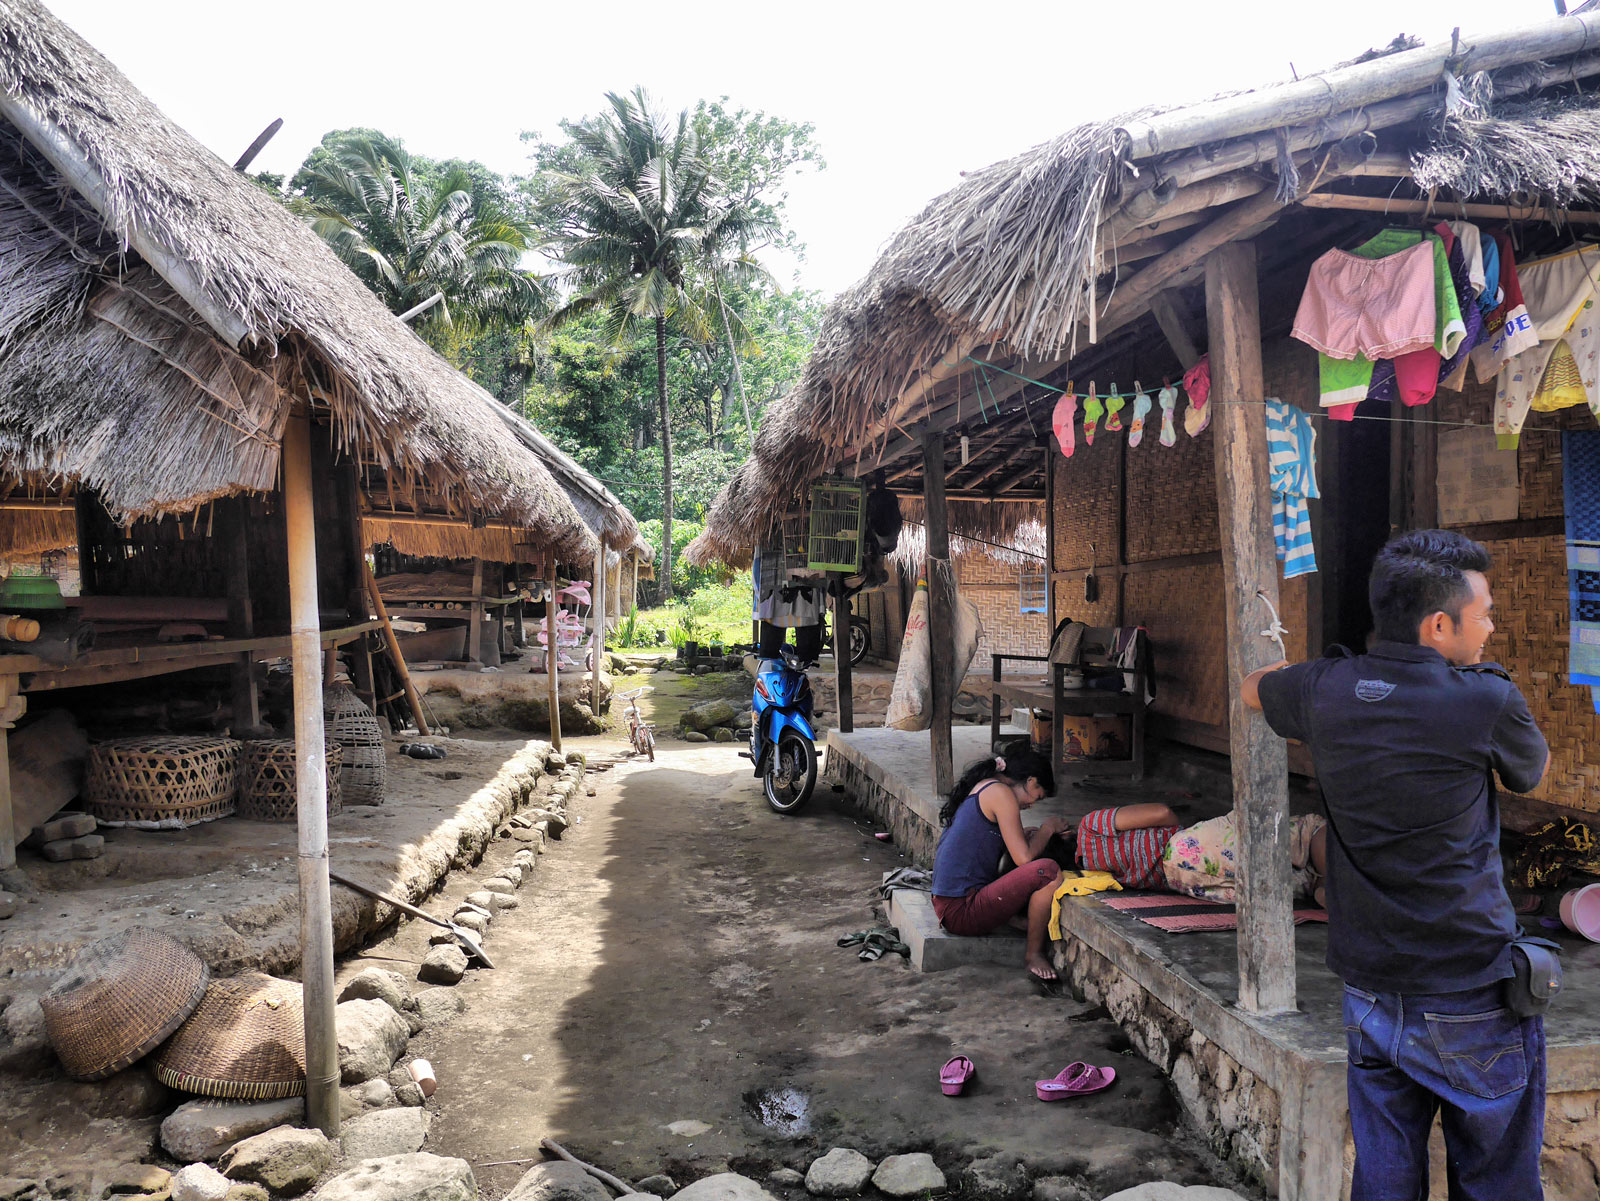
[1418,574]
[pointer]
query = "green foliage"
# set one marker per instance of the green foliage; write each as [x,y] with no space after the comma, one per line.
[628,631]
[714,614]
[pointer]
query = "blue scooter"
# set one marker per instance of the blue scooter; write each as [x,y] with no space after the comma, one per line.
[782,740]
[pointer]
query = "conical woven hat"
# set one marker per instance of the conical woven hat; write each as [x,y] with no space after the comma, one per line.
[246,1040]
[119,998]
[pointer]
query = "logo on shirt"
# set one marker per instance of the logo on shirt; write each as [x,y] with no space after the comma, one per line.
[1373,690]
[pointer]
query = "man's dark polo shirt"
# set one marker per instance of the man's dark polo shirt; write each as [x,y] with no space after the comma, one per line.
[1404,745]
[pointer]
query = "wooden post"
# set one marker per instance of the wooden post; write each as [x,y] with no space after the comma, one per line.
[311,784]
[475,633]
[241,613]
[400,669]
[12,706]
[941,609]
[598,609]
[356,544]
[552,667]
[843,687]
[1249,566]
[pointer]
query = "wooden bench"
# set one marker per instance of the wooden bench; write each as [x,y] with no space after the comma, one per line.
[1047,691]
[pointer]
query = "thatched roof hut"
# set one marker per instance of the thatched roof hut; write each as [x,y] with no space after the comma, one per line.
[602,512]
[160,315]
[1028,266]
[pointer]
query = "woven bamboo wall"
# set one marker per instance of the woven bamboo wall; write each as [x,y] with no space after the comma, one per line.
[1172,497]
[1085,503]
[996,589]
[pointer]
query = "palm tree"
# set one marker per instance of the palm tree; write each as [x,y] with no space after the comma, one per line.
[645,229]
[413,237]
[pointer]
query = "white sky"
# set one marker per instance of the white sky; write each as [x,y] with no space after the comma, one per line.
[903,96]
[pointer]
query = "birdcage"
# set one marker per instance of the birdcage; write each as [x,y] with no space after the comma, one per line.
[833,542]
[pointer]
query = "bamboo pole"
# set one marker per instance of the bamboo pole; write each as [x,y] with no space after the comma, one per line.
[551,660]
[400,669]
[599,611]
[311,784]
[1347,88]
[941,612]
[1448,209]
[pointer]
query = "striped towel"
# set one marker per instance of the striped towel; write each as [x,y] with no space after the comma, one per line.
[1292,470]
[1580,472]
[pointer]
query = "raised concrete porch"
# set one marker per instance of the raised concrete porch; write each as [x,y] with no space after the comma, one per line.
[1267,1093]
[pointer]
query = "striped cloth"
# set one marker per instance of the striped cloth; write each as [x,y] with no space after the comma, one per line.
[1132,856]
[1292,470]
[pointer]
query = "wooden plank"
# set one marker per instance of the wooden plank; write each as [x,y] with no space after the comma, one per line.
[475,629]
[1165,310]
[597,612]
[551,659]
[1536,527]
[1145,566]
[1244,512]
[8,834]
[160,608]
[1448,209]
[941,609]
[413,701]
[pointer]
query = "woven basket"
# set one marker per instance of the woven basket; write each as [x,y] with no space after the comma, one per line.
[120,997]
[352,725]
[164,781]
[267,780]
[246,1041]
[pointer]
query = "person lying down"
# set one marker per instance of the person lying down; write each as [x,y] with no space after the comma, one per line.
[1144,846]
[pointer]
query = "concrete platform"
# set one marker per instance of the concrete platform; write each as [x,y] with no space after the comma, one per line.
[1267,1093]
[935,950]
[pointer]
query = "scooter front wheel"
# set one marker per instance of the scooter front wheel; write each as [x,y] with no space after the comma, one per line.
[791,773]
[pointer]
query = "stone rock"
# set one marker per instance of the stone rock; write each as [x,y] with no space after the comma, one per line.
[995,1178]
[725,1186]
[513,873]
[527,835]
[482,898]
[842,1172]
[697,736]
[703,669]
[409,1094]
[785,1178]
[371,1038]
[687,1128]
[1059,1188]
[14,1188]
[442,965]
[469,919]
[285,1160]
[721,734]
[557,1180]
[1165,1190]
[24,1024]
[499,884]
[438,1006]
[502,901]
[89,846]
[659,1184]
[555,761]
[358,1098]
[384,1133]
[908,1176]
[136,1178]
[68,825]
[8,904]
[198,1182]
[379,984]
[243,1192]
[200,1130]
[419,1177]
[709,714]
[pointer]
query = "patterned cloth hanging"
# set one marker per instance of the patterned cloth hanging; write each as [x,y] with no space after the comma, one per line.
[1580,470]
[1292,475]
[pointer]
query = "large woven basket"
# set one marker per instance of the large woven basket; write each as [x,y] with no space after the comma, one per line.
[352,725]
[267,780]
[246,1041]
[166,781]
[120,997]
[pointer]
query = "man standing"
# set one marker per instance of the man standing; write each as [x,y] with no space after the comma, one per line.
[1407,740]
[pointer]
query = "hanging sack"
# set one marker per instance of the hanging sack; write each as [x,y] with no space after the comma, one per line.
[911,698]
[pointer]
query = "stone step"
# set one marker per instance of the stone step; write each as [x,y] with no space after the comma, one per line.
[934,949]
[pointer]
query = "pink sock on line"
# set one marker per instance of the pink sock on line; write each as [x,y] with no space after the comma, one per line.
[1062,419]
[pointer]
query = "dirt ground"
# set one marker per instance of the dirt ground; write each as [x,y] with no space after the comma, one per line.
[669,997]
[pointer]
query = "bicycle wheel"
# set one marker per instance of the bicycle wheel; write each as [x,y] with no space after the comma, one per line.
[648,737]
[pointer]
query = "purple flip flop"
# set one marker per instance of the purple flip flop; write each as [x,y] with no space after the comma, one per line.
[1074,1080]
[953,1077]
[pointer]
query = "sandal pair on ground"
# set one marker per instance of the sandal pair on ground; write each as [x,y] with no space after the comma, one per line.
[876,942]
[1074,1080]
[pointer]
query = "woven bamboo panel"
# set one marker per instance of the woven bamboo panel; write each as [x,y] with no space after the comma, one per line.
[1530,641]
[1172,498]
[351,724]
[267,780]
[1086,504]
[168,779]
[1070,602]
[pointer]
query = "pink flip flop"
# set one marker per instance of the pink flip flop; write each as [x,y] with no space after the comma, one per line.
[1074,1080]
[954,1075]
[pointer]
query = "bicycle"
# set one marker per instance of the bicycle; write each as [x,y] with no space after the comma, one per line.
[641,734]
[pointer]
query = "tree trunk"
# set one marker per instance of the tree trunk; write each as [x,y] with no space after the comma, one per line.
[664,591]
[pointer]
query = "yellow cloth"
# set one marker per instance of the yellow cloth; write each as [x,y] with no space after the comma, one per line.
[1078,884]
[1562,386]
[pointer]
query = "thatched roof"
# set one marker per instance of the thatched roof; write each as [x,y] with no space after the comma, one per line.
[1025,544]
[1004,265]
[601,511]
[159,314]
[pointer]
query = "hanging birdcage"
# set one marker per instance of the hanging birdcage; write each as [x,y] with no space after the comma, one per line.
[833,542]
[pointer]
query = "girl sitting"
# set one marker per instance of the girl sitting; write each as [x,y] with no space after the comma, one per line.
[983,820]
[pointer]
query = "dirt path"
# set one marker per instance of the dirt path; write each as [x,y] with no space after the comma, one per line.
[673,961]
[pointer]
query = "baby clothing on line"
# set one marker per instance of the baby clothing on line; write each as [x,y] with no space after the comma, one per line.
[1562,369]
[1358,305]
[1468,235]
[1197,382]
[1508,330]
[1168,399]
[1292,476]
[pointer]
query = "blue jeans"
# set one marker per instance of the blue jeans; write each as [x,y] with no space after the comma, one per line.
[1463,1056]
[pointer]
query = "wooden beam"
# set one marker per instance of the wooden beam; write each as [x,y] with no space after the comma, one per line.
[1164,309]
[941,609]
[413,701]
[597,611]
[475,634]
[552,659]
[11,708]
[257,146]
[843,685]
[1166,200]
[1448,209]
[1249,572]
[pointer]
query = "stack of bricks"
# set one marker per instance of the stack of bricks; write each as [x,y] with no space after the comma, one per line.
[68,836]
